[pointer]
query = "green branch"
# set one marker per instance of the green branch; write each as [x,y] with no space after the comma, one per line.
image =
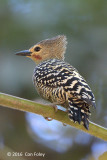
[48,111]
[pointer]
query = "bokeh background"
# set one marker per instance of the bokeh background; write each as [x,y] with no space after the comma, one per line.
[22,24]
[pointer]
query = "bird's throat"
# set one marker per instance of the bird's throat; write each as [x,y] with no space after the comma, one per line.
[37,57]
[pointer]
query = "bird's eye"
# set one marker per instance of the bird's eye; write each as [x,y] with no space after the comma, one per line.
[37,49]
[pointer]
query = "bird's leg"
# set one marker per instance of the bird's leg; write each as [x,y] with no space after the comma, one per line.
[55,109]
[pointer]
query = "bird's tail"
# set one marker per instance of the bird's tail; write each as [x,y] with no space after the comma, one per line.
[79,113]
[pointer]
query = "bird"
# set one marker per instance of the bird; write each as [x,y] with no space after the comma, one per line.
[59,82]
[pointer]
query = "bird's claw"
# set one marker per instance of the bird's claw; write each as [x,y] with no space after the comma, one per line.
[64,124]
[55,108]
[48,119]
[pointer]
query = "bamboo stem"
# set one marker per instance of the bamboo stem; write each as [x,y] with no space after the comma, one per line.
[47,111]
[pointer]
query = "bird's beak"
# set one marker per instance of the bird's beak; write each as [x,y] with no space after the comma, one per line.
[24,53]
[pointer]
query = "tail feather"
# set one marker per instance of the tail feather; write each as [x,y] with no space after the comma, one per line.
[86,121]
[79,113]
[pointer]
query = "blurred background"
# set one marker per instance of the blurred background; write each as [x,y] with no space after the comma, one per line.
[22,24]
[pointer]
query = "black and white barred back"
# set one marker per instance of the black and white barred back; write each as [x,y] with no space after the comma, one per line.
[60,83]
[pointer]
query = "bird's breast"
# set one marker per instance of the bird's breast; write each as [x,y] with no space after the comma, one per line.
[53,78]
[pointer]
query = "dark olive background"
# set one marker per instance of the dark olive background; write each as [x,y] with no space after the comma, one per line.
[22,24]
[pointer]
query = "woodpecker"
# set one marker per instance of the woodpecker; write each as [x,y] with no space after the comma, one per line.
[59,82]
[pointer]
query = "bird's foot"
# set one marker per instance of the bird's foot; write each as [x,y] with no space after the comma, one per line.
[64,124]
[55,107]
[66,110]
[48,119]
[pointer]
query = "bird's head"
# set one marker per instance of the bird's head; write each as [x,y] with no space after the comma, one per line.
[46,49]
